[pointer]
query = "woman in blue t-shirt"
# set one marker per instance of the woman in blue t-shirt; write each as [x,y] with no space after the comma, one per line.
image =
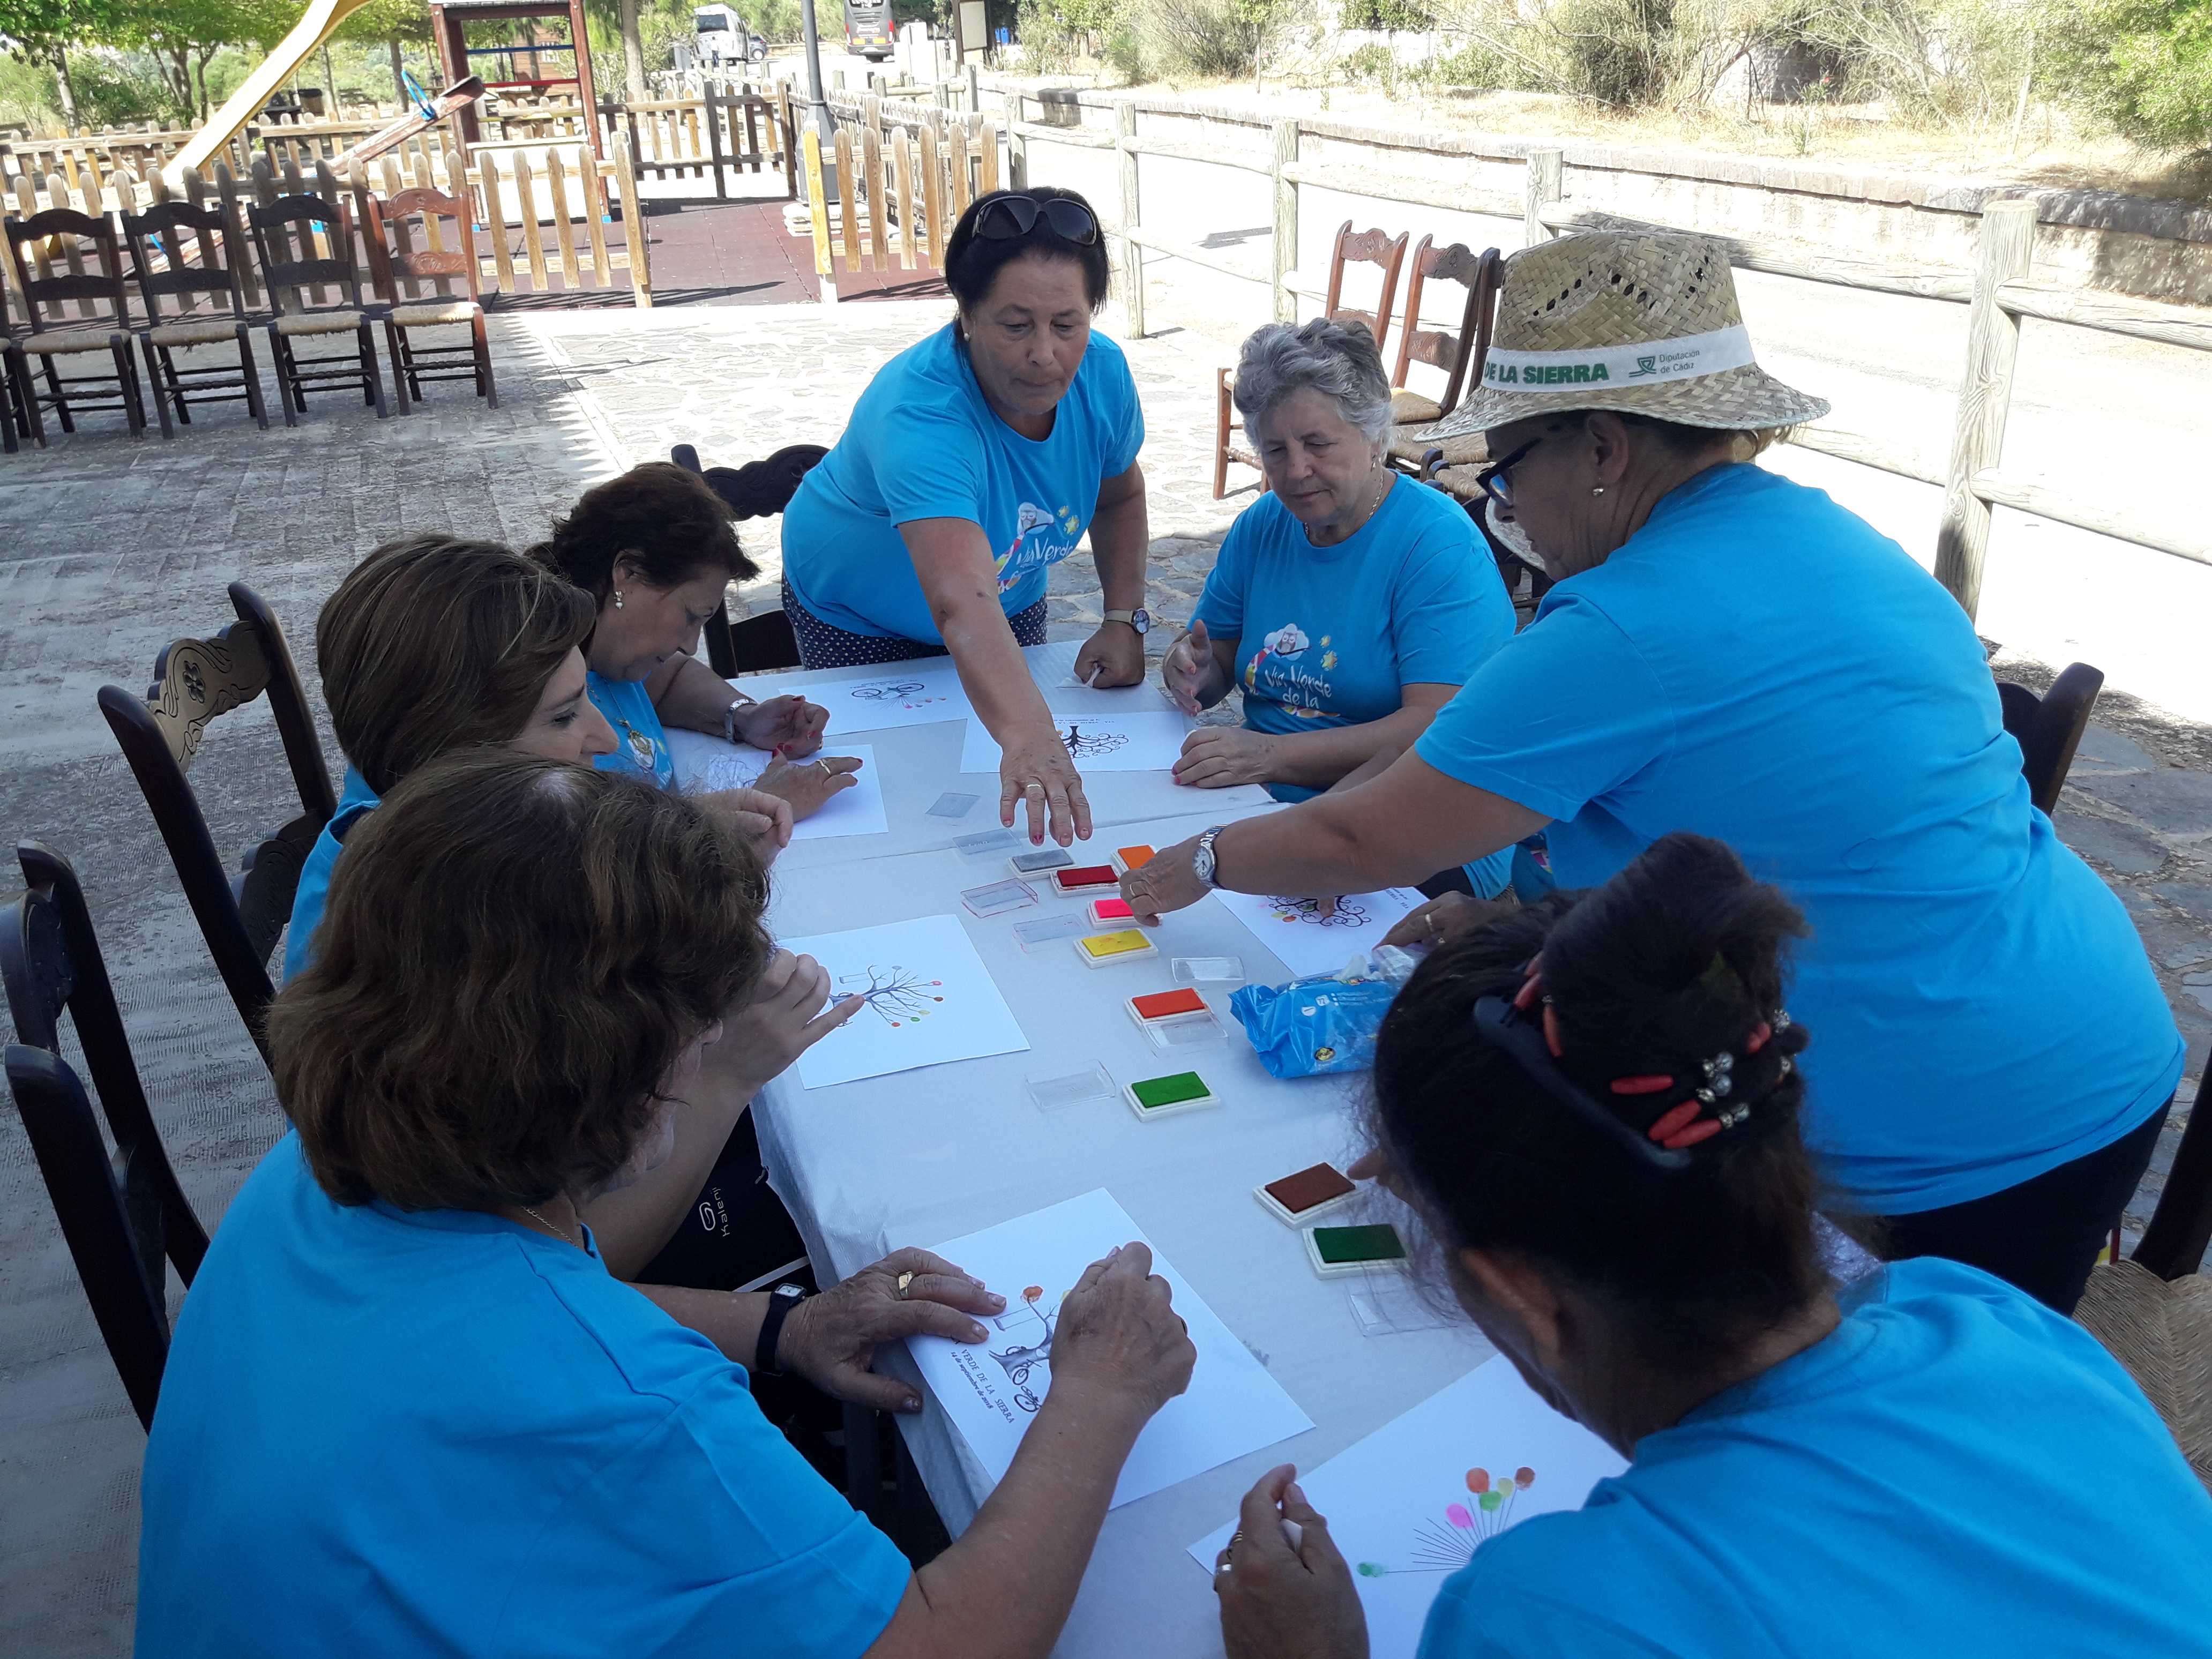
[1593,1107]
[1348,604]
[655,549]
[975,462]
[408,1411]
[1727,651]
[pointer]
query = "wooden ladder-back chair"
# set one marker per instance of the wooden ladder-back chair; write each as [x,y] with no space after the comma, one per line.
[1372,247]
[2048,728]
[194,681]
[35,245]
[122,1213]
[400,264]
[274,223]
[158,235]
[1459,353]
[758,490]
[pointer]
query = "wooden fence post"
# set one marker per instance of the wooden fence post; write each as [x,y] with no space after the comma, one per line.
[714,106]
[1286,221]
[636,237]
[1018,147]
[1133,256]
[819,214]
[2006,246]
[1547,169]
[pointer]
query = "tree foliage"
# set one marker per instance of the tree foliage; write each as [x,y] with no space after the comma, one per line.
[2145,66]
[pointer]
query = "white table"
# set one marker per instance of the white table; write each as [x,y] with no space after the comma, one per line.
[923,1155]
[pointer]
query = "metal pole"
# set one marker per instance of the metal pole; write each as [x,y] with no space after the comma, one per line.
[815,101]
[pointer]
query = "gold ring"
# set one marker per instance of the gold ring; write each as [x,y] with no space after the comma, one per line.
[904,1281]
[1235,1538]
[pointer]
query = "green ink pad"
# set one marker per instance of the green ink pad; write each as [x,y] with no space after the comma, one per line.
[1342,1252]
[1162,1096]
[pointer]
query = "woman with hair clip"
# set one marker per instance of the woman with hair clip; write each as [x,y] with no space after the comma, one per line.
[431,644]
[1593,1107]
[975,461]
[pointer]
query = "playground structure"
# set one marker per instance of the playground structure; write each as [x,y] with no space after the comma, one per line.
[316,25]
[448,26]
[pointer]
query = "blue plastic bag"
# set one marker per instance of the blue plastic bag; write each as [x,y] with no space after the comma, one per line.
[1313,1027]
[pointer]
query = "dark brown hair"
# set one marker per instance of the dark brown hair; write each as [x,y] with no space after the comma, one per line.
[972,263]
[515,953]
[1675,960]
[668,519]
[431,643]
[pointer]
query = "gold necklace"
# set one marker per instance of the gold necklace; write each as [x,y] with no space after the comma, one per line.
[561,1232]
[644,751]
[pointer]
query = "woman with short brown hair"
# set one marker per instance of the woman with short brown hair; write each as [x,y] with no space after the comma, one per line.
[408,1410]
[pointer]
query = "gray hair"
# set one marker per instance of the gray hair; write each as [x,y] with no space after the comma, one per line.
[1338,360]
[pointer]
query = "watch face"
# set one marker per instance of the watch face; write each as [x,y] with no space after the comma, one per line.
[1141,620]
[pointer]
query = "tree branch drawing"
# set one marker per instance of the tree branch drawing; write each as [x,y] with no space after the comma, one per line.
[897,996]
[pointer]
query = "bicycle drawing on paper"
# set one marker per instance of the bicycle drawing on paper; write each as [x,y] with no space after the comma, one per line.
[1030,1353]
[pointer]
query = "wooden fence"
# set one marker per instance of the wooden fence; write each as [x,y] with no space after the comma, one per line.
[710,136]
[1999,290]
[904,177]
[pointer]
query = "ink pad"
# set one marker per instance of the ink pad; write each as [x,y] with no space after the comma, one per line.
[1132,858]
[1037,862]
[1297,1199]
[1088,878]
[1163,1097]
[1348,1252]
[1166,1004]
[1103,950]
[1105,912]
[1174,1020]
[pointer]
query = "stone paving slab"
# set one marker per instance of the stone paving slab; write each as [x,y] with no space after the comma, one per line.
[110,548]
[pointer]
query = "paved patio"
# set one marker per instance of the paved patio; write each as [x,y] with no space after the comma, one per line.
[112,548]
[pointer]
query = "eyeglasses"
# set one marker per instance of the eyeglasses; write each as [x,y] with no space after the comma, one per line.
[1011,216]
[1497,481]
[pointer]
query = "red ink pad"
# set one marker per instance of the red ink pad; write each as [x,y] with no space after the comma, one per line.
[1163,1004]
[1085,879]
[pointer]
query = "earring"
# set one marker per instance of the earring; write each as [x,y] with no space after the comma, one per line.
[617,599]
[1600,490]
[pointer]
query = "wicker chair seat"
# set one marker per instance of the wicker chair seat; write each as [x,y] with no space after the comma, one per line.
[192,334]
[320,322]
[448,311]
[1411,409]
[1466,450]
[59,345]
[2161,1331]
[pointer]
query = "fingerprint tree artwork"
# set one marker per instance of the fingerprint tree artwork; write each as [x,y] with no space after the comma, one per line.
[1308,911]
[1447,1543]
[1029,1352]
[1089,742]
[897,996]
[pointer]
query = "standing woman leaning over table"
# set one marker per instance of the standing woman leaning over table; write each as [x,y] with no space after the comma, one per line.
[409,1411]
[655,549]
[975,461]
[1729,653]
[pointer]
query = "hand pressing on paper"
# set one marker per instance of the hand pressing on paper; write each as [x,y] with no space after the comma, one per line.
[1219,757]
[763,819]
[831,1339]
[1285,1594]
[1446,917]
[1119,1336]
[789,723]
[785,1018]
[808,785]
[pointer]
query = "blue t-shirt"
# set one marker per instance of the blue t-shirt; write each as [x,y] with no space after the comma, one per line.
[640,747]
[439,1432]
[314,889]
[1954,1470]
[1758,665]
[923,443]
[1328,635]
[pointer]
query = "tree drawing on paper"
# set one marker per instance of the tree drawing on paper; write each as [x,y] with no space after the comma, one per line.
[1308,911]
[1449,1544]
[897,996]
[1030,1352]
[884,690]
[1090,743]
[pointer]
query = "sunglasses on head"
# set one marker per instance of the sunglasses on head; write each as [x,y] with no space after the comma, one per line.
[1010,216]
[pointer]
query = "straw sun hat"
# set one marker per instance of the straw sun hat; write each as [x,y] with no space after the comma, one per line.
[1642,322]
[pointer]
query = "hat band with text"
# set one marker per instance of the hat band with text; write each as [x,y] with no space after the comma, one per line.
[1649,363]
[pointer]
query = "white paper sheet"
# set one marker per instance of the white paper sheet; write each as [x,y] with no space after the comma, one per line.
[1402,1504]
[1149,740]
[930,1000]
[855,811]
[1310,943]
[897,697]
[992,1390]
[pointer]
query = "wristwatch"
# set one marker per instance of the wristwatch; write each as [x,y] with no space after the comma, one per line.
[1201,857]
[1140,619]
[780,1302]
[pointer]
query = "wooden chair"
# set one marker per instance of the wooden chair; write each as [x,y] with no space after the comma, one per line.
[1374,247]
[1460,354]
[158,233]
[194,681]
[49,334]
[2153,1311]
[122,1214]
[274,223]
[755,490]
[397,263]
[2048,728]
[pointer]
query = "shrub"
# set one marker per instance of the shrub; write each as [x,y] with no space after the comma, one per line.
[1198,37]
[2143,66]
[1388,14]
[1620,53]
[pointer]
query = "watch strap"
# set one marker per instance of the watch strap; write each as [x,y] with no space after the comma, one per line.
[1209,870]
[730,715]
[780,1302]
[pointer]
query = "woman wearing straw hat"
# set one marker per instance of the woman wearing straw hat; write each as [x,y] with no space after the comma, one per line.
[1730,653]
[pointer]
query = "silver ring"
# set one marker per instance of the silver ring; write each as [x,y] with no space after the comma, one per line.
[1027,786]
[826,772]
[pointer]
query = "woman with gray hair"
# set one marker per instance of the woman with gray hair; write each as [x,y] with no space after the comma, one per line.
[1350,604]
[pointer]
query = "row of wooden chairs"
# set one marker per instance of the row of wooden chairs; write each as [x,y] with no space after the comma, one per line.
[186,263]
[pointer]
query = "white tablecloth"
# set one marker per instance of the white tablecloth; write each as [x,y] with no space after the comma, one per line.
[920,1157]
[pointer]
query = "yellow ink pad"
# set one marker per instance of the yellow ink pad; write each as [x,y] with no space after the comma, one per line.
[1103,950]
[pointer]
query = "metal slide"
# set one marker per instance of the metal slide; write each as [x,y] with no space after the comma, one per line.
[315,26]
